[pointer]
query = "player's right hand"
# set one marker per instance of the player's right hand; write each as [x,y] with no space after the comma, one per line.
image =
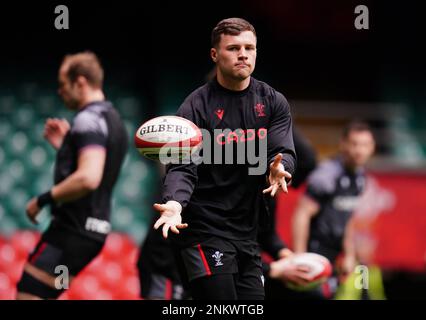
[55,131]
[170,217]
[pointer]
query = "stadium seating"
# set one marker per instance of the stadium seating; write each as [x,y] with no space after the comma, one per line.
[112,275]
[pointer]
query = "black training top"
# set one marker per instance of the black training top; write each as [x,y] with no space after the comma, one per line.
[96,125]
[337,190]
[224,199]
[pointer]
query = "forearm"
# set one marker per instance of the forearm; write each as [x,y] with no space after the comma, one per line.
[56,144]
[348,241]
[266,268]
[289,163]
[280,136]
[179,184]
[73,187]
[271,244]
[301,224]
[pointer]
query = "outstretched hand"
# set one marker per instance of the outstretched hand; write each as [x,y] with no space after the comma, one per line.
[170,217]
[277,176]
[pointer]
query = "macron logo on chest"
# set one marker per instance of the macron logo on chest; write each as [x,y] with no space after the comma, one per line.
[258,108]
[219,113]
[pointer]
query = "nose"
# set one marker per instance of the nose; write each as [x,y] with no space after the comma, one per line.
[242,54]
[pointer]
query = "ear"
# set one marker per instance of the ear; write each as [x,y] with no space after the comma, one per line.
[81,81]
[373,147]
[213,54]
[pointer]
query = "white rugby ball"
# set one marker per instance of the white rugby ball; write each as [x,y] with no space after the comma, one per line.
[168,136]
[320,269]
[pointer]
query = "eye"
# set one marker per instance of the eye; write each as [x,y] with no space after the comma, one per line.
[233,48]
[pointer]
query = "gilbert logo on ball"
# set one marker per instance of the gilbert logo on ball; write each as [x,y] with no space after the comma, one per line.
[168,139]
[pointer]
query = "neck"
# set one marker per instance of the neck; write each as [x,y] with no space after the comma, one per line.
[233,84]
[349,165]
[92,96]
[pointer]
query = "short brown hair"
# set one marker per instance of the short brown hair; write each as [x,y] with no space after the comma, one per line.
[84,64]
[230,26]
[357,126]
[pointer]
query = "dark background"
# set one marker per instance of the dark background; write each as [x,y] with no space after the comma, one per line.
[308,49]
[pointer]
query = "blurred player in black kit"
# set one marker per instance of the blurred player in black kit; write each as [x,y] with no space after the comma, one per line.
[90,153]
[320,221]
[217,249]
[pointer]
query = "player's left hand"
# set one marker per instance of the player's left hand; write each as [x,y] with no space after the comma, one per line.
[277,176]
[32,210]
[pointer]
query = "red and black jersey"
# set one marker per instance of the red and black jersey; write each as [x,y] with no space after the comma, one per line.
[224,199]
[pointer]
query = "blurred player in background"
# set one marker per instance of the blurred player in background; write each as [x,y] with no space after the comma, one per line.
[333,189]
[218,253]
[90,153]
